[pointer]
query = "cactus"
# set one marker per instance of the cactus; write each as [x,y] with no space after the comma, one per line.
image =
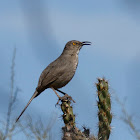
[70,131]
[68,116]
[104,106]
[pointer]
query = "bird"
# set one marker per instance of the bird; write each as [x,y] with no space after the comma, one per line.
[60,72]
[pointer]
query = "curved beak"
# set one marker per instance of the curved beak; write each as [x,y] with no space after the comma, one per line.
[86,43]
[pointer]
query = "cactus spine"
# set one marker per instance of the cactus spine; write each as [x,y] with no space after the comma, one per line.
[104,106]
[68,116]
[70,131]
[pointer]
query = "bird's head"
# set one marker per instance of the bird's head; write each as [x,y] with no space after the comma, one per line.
[74,46]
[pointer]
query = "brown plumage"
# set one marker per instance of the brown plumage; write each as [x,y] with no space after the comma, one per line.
[58,73]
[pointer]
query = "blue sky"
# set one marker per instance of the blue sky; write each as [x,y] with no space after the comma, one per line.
[39,30]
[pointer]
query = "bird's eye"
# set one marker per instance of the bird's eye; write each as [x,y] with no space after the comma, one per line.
[74,43]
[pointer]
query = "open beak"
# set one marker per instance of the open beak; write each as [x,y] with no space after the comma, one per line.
[86,43]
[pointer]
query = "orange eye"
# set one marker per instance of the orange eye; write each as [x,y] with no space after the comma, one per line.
[74,44]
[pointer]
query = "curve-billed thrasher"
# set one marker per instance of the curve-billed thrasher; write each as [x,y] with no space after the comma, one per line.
[58,73]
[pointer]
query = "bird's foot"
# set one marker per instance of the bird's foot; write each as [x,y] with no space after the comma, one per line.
[66,97]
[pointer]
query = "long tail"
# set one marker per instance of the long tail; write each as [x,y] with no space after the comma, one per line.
[34,95]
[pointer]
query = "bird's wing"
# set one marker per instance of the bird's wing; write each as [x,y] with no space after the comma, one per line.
[51,73]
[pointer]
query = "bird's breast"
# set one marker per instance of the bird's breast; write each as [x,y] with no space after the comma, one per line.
[75,62]
[67,68]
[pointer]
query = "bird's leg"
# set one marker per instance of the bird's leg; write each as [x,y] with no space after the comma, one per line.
[66,96]
[59,98]
[55,92]
[61,92]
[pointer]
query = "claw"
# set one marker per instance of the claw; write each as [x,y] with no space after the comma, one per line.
[65,98]
[57,101]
